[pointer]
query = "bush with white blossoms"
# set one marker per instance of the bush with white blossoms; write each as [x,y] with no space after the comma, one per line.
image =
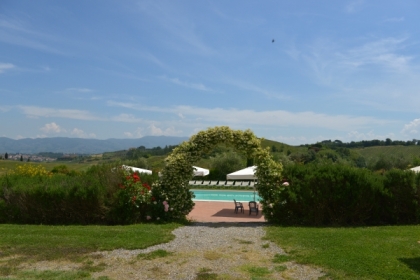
[173,185]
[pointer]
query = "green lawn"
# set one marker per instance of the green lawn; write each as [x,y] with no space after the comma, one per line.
[387,252]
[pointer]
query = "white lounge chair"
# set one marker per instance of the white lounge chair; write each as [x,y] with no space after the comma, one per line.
[213,183]
[229,184]
[237,183]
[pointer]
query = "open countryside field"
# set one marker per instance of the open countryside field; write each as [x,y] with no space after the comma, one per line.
[7,165]
[377,151]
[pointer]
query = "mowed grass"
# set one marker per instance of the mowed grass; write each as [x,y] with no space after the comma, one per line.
[68,242]
[386,252]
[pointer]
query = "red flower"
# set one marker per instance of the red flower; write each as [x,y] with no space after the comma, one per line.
[146,186]
[121,186]
[136,177]
[153,198]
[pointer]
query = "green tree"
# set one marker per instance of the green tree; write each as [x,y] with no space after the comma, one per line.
[225,163]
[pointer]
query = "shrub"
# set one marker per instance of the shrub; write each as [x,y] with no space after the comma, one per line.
[104,194]
[55,200]
[328,194]
[401,204]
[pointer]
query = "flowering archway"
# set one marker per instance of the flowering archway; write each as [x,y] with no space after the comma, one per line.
[173,186]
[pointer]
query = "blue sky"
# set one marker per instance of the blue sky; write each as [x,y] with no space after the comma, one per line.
[347,70]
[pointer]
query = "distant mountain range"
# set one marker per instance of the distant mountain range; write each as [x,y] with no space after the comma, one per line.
[81,145]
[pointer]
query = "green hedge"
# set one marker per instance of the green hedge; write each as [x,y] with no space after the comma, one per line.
[334,194]
[318,195]
[93,197]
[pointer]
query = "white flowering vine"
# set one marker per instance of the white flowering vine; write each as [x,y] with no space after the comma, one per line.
[173,184]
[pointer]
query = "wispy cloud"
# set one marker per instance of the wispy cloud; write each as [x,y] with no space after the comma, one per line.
[82,90]
[276,118]
[382,52]
[341,67]
[6,66]
[36,112]
[395,19]
[128,118]
[354,6]
[18,32]
[244,85]
[181,31]
[197,86]
[5,108]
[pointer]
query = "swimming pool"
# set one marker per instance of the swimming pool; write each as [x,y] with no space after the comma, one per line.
[221,195]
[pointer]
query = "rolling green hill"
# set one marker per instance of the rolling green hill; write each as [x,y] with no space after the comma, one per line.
[410,155]
[404,151]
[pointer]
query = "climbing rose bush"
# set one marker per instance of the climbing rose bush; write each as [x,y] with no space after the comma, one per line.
[137,193]
[173,185]
[138,201]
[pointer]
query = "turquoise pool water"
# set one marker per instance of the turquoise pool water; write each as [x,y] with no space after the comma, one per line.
[222,195]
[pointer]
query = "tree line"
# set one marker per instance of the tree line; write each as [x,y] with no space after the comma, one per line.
[367,143]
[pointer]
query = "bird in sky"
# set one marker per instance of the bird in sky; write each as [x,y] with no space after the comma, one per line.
[272,41]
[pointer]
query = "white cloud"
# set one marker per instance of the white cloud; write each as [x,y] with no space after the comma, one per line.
[169,131]
[81,134]
[5,66]
[138,133]
[413,128]
[52,128]
[155,131]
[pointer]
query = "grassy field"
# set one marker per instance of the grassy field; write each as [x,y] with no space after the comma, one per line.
[387,252]
[404,151]
[7,165]
[29,243]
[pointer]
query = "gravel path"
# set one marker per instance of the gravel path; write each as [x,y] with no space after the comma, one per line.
[207,251]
